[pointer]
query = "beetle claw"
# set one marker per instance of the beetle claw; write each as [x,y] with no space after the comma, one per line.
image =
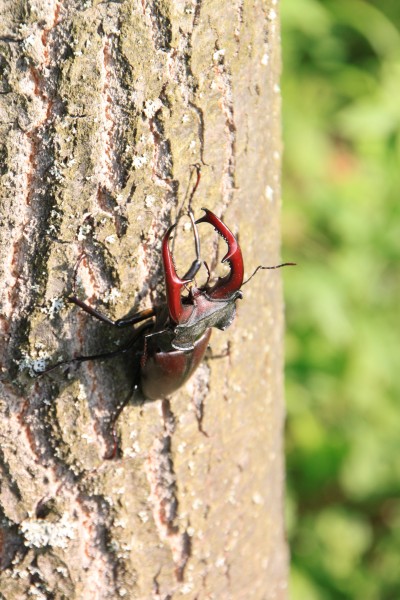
[230,284]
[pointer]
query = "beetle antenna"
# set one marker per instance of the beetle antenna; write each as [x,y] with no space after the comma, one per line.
[260,267]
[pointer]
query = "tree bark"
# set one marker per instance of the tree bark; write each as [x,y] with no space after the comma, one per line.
[104,107]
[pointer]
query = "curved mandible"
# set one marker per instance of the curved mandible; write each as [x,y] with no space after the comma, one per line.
[232,283]
[173,283]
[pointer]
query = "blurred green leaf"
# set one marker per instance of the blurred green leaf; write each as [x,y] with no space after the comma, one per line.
[341,90]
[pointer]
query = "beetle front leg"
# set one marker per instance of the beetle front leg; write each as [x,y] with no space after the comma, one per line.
[136,318]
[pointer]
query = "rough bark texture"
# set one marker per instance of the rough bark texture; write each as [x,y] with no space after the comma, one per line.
[104,106]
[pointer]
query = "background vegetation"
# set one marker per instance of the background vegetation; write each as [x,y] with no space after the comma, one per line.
[341,90]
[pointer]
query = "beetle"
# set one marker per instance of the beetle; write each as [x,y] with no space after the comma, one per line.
[173,338]
[175,348]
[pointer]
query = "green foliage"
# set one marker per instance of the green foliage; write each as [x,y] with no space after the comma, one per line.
[341,91]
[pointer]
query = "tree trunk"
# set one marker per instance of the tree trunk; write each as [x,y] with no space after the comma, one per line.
[104,107]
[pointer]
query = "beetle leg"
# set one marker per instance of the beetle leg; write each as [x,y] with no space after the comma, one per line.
[226,286]
[136,318]
[112,453]
[173,283]
[80,359]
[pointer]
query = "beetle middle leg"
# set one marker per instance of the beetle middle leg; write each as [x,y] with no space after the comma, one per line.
[137,337]
[225,353]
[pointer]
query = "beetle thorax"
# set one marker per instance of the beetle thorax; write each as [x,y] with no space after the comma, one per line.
[206,313]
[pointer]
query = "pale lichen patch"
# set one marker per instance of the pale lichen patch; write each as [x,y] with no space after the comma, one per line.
[39,533]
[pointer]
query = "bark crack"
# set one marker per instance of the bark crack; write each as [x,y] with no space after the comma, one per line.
[163,494]
[82,525]
[28,181]
[224,83]
[160,24]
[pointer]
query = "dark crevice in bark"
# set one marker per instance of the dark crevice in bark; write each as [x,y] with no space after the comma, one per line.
[162,30]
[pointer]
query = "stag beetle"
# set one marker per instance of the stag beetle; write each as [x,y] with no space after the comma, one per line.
[175,348]
[173,339]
